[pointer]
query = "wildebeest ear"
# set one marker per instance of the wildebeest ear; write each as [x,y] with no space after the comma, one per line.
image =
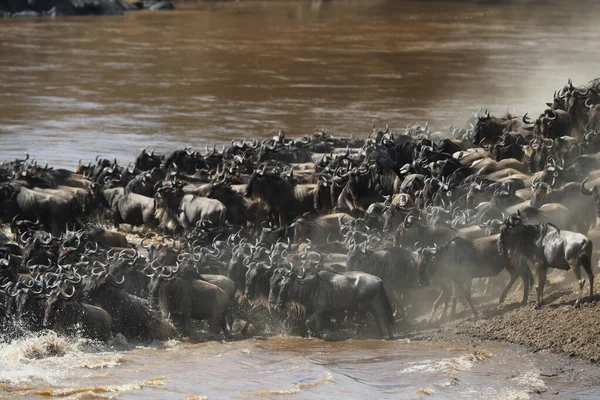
[549,104]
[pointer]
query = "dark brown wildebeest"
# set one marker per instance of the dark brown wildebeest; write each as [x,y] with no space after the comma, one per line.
[282,196]
[63,311]
[131,315]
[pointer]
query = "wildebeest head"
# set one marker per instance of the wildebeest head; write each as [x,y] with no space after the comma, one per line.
[98,281]
[8,191]
[425,260]
[27,295]
[183,161]
[257,272]
[322,198]
[157,276]
[55,304]
[275,284]
[593,116]
[290,279]
[511,233]
[147,160]
[507,146]
[395,215]
[540,190]
[269,187]
[552,171]
[488,127]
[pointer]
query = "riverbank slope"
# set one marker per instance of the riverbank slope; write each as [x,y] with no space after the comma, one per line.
[557,326]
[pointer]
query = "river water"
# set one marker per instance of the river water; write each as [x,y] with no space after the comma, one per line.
[75,87]
[47,365]
[205,73]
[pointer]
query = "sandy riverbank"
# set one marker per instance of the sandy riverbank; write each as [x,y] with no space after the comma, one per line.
[558,326]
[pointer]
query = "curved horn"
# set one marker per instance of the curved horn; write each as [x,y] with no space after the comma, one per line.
[590,105]
[583,189]
[68,296]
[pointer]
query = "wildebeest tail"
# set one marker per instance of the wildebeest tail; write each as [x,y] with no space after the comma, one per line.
[584,257]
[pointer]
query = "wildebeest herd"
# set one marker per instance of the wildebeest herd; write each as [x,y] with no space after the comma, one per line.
[303,236]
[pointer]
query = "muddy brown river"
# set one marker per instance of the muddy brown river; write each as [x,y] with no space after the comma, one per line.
[48,366]
[75,87]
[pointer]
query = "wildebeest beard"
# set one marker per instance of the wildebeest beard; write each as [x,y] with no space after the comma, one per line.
[167,210]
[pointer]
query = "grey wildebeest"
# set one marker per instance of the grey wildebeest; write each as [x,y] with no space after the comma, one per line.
[184,298]
[396,266]
[174,208]
[325,293]
[546,246]
[129,208]
[463,259]
[52,210]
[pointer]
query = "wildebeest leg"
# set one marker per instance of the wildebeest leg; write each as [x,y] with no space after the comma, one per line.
[576,267]
[436,303]
[488,285]
[245,328]
[540,277]
[466,292]
[224,327]
[282,219]
[586,263]
[513,278]
[183,322]
[378,317]
[399,305]
[361,318]
[527,277]
[454,301]
[315,323]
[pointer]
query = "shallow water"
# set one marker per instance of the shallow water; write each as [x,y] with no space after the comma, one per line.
[205,73]
[48,365]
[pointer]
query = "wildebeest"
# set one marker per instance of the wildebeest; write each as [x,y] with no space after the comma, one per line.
[488,127]
[324,293]
[240,210]
[176,209]
[463,259]
[396,266]
[63,311]
[282,196]
[184,298]
[131,315]
[55,212]
[593,189]
[546,246]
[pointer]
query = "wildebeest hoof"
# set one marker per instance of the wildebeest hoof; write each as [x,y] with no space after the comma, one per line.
[577,304]
[537,306]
